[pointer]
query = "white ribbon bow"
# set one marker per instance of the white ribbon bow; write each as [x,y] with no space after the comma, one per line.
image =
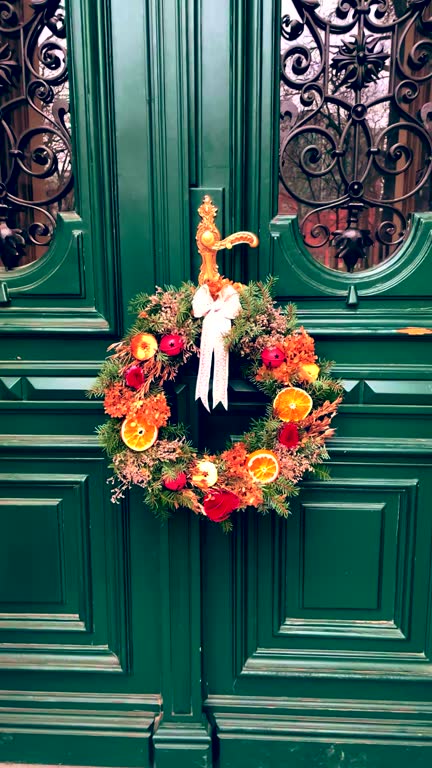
[217,314]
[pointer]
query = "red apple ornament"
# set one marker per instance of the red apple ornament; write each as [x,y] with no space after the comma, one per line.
[171,345]
[273,357]
[175,483]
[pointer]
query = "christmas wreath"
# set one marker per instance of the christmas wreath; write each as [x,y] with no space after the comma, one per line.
[263,468]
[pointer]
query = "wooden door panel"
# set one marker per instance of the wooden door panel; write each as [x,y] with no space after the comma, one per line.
[73,654]
[67,609]
[344,547]
[348,576]
[279,744]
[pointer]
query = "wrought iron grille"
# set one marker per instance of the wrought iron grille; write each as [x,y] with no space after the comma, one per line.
[35,149]
[356,124]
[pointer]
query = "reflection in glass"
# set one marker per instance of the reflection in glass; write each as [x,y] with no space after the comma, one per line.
[35,149]
[355,125]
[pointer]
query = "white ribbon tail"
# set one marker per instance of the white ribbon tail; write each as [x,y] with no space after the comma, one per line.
[221,367]
[216,324]
[206,356]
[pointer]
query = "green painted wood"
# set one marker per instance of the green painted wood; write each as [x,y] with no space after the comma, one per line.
[390,297]
[42,581]
[182,745]
[73,286]
[339,578]
[300,642]
[106,730]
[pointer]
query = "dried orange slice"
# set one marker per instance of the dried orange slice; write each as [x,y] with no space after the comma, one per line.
[263,466]
[292,404]
[143,346]
[137,434]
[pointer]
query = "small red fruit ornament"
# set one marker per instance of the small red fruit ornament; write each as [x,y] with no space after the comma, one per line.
[175,483]
[171,345]
[273,357]
[134,377]
[289,435]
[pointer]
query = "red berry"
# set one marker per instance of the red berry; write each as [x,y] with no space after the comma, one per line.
[134,377]
[172,344]
[273,357]
[175,483]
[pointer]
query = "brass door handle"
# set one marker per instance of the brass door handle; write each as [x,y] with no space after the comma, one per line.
[209,241]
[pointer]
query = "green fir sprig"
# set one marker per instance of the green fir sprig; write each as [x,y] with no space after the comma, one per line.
[110,438]
[108,375]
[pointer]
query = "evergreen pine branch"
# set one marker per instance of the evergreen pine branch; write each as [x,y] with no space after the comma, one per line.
[140,325]
[160,510]
[325,368]
[320,472]
[226,526]
[138,303]
[286,487]
[290,312]
[184,314]
[275,499]
[173,469]
[174,432]
[263,432]
[163,502]
[269,387]
[267,288]
[109,437]
[324,389]
[108,375]
[280,506]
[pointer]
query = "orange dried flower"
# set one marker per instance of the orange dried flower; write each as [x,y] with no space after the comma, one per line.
[299,349]
[235,457]
[236,478]
[154,409]
[251,496]
[282,373]
[118,400]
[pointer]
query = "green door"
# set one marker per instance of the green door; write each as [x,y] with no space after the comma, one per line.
[303,643]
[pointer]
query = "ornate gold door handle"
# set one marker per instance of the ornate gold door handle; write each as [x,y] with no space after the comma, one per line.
[209,241]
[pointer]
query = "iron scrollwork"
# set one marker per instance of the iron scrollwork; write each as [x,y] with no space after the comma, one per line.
[35,152]
[356,140]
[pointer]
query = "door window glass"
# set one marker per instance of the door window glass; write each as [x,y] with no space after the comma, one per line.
[35,150]
[355,125]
